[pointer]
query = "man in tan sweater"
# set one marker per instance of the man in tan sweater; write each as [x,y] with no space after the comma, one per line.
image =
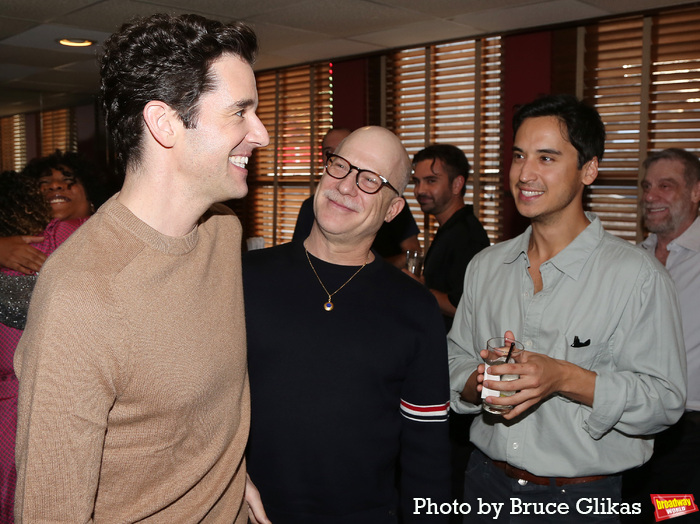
[134,402]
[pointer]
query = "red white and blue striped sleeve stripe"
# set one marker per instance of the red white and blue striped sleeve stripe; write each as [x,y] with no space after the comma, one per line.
[430,413]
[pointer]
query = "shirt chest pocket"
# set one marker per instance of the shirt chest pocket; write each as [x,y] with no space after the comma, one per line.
[584,352]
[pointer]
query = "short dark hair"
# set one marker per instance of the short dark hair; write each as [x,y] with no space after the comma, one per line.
[691,163]
[23,208]
[167,58]
[97,188]
[452,157]
[584,128]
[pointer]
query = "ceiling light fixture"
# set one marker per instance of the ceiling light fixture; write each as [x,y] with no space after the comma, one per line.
[76,42]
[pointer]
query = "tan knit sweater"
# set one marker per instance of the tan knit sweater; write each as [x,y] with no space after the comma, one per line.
[134,401]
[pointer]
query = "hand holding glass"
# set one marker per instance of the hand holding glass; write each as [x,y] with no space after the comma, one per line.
[499,349]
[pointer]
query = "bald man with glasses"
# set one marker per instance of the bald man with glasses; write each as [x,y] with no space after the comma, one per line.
[393,238]
[347,359]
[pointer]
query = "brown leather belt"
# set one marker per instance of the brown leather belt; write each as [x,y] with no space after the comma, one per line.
[521,474]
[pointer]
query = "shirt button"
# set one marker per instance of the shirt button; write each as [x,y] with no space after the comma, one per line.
[522,482]
[515,445]
[528,343]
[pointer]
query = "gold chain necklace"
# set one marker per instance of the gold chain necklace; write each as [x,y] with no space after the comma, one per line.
[328,306]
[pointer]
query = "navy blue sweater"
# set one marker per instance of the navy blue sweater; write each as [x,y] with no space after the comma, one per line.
[349,407]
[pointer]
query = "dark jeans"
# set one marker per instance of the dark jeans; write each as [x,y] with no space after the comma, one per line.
[460,450]
[486,484]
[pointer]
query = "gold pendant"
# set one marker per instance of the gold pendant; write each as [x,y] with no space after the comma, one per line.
[328,306]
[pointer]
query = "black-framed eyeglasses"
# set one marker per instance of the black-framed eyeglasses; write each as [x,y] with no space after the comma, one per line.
[368,181]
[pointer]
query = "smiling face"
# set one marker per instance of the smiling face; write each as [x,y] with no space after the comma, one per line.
[65,194]
[670,205]
[216,151]
[433,189]
[341,208]
[544,176]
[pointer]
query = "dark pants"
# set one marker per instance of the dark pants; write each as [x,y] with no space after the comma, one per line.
[460,450]
[674,469]
[486,484]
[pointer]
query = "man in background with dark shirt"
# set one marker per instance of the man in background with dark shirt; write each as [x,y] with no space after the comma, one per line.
[440,175]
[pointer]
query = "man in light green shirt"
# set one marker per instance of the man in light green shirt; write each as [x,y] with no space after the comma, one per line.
[604,366]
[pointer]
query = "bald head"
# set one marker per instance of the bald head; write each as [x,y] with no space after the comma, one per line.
[389,157]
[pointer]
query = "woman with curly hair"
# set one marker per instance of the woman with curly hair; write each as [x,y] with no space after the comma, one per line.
[72,187]
[24,210]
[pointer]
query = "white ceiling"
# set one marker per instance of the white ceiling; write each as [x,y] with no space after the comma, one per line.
[37,73]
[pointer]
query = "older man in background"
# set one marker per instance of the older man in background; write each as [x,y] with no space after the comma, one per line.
[671,193]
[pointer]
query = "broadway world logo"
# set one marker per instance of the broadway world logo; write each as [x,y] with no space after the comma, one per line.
[670,506]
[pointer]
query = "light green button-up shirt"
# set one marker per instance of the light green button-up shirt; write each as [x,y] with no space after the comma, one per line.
[600,289]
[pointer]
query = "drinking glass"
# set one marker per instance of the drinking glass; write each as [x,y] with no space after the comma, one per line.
[499,349]
[414,262]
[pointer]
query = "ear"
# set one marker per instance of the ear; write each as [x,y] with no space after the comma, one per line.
[394,209]
[162,122]
[695,192]
[457,184]
[589,172]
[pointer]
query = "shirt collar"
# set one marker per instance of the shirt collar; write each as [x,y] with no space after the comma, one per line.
[649,243]
[570,260]
[689,239]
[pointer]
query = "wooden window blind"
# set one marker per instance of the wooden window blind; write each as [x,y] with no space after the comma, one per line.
[451,93]
[674,94]
[487,164]
[58,131]
[642,73]
[296,107]
[13,143]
